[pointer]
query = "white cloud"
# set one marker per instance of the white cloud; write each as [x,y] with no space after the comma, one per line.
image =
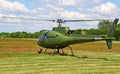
[50,12]
[55,9]
[1,14]
[72,15]
[107,9]
[50,9]
[67,2]
[12,6]
[59,8]
[70,2]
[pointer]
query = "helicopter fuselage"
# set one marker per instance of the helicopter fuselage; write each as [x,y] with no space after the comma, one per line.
[55,40]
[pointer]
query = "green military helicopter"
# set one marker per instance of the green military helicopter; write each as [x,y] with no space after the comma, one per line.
[61,37]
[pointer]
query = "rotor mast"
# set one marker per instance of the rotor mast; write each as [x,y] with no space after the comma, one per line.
[59,21]
[59,24]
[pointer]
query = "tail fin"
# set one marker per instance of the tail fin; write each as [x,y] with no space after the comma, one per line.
[109,44]
[112,29]
[110,34]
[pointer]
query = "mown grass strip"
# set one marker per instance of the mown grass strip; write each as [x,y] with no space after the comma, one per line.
[19,56]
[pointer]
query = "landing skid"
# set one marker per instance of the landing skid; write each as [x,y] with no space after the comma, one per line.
[56,51]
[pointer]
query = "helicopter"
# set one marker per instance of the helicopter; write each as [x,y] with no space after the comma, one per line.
[60,37]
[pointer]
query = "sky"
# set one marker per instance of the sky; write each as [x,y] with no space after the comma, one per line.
[52,10]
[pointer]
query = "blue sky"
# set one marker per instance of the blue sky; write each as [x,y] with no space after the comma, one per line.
[55,9]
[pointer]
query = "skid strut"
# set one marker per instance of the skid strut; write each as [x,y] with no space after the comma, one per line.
[71,50]
[40,50]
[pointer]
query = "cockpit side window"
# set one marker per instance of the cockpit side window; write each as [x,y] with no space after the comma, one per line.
[45,36]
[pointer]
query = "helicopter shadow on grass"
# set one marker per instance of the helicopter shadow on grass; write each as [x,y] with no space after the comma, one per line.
[86,57]
[79,57]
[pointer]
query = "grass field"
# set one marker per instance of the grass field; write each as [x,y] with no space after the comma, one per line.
[19,56]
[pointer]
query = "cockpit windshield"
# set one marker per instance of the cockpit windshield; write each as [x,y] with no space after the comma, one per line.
[42,37]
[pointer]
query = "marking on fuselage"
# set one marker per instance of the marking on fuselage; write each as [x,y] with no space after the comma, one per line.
[98,38]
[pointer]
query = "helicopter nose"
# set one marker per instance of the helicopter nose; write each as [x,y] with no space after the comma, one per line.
[38,42]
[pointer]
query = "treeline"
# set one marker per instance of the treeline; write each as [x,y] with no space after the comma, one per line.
[78,31]
[103,29]
[20,35]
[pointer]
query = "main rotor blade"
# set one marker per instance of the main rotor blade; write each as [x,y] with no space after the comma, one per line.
[82,20]
[22,18]
[58,20]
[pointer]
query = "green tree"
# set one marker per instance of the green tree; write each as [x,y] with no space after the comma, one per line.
[117,32]
[4,34]
[19,35]
[77,31]
[105,24]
